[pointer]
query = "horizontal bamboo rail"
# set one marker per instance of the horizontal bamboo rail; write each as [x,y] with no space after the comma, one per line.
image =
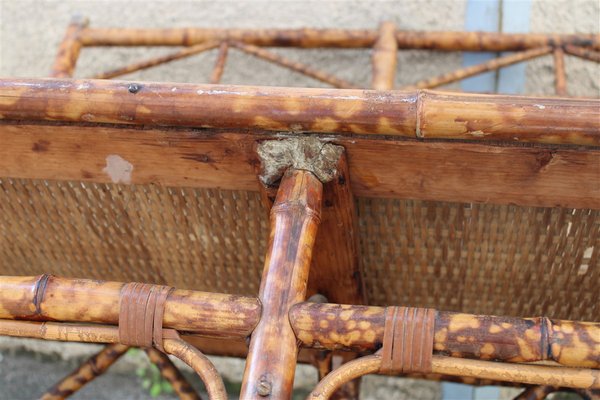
[361,328]
[46,298]
[423,114]
[529,374]
[322,326]
[342,38]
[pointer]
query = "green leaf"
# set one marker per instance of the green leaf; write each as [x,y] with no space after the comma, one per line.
[166,387]
[155,389]
[146,383]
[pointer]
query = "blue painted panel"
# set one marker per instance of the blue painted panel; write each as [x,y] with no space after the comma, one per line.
[515,19]
[481,15]
[457,391]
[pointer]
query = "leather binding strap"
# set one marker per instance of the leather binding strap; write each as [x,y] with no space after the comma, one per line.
[407,340]
[141,311]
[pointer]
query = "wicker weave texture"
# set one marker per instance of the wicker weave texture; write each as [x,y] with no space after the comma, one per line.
[487,259]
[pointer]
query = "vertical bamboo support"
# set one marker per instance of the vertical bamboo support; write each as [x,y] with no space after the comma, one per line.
[217,72]
[385,57]
[171,373]
[86,372]
[68,52]
[560,79]
[295,216]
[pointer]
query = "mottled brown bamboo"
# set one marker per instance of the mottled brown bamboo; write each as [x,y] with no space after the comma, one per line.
[86,372]
[293,65]
[295,216]
[219,67]
[560,76]
[522,373]
[509,339]
[491,65]
[69,49]
[78,300]
[171,374]
[424,114]
[581,52]
[385,58]
[172,343]
[336,272]
[152,62]
[349,38]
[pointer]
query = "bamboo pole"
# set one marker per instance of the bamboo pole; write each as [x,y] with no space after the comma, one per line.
[510,339]
[421,114]
[69,49]
[171,374]
[341,38]
[560,78]
[581,52]
[217,72]
[172,344]
[385,58]
[491,65]
[77,300]
[293,65]
[523,373]
[295,216]
[86,372]
[536,392]
[152,62]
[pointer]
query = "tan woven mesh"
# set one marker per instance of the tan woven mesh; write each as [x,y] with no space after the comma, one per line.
[474,258]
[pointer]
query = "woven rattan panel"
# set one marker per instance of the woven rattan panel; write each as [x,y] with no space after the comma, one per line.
[482,258]
[487,259]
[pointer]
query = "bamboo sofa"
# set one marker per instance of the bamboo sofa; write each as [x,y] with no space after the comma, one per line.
[448,236]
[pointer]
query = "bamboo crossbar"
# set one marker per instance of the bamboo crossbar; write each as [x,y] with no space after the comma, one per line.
[341,38]
[422,114]
[357,328]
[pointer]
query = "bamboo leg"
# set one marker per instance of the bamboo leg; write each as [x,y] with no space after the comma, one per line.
[171,373]
[480,68]
[536,393]
[580,52]
[187,52]
[295,216]
[385,57]
[217,72]
[86,372]
[69,49]
[293,65]
[560,79]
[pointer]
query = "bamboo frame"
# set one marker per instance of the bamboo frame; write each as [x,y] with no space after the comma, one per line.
[171,374]
[278,322]
[86,372]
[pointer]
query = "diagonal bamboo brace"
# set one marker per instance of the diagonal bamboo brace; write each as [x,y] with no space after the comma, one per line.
[295,216]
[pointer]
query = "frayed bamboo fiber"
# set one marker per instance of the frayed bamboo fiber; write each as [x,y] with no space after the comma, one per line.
[423,114]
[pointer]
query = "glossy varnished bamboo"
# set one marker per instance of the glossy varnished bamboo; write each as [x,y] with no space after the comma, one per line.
[295,216]
[421,113]
[79,300]
[86,372]
[360,328]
